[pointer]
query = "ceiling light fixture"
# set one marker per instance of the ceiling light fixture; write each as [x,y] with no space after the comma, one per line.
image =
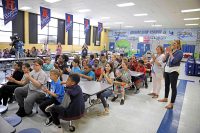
[150,21]
[25,8]
[191,10]
[191,24]
[52,1]
[191,18]
[84,10]
[141,14]
[126,4]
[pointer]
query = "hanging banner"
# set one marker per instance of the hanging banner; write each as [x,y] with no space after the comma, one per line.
[69,21]
[86,25]
[45,16]
[100,28]
[10,10]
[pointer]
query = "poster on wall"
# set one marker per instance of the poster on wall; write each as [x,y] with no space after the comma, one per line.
[10,10]
[45,16]
[68,21]
[86,25]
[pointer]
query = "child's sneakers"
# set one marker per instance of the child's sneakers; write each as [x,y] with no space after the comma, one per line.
[48,121]
[48,109]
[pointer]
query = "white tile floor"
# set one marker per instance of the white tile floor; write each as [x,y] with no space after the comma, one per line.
[139,114]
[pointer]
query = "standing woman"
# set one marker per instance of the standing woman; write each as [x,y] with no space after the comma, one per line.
[173,59]
[157,71]
[58,51]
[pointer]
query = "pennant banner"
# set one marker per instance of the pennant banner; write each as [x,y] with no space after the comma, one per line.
[45,16]
[10,10]
[68,21]
[86,25]
[100,28]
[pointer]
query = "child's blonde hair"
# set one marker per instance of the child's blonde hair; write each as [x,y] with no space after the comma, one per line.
[56,72]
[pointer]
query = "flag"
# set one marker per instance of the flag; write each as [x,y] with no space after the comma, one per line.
[100,28]
[10,10]
[45,16]
[68,21]
[86,25]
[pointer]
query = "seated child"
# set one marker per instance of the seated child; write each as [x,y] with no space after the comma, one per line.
[55,94]
[138,81]
[75,67]
[88,73]
[47,66]
[75,108]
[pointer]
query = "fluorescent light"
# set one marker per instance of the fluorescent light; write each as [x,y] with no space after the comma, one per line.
[141,14]
[128,26]
[105,17]
[150,21]
[191,18]
[84,10]
[126,4]
[191,24]
[191,10]
[25,8]
[52,1]
[157,25]
[118,22]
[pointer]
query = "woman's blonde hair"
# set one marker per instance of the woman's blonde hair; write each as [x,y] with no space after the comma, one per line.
[178,42]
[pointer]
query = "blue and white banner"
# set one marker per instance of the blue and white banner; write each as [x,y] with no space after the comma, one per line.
[100,28]
[10,10]
[68,21]
[45,16]
[86,25]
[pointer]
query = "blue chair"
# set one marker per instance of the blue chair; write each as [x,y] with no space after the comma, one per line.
[30,130]
[13,120]
[3,109]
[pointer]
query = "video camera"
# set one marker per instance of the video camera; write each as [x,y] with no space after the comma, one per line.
[15,40]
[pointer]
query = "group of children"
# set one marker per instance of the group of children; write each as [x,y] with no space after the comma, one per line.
[31,88]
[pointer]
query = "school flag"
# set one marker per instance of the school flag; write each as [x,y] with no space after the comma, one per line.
[86,25]
[10,10]
[100,28]
[68,21]
[45,16]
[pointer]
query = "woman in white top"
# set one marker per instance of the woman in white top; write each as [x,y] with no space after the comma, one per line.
[157,71]
[107,76]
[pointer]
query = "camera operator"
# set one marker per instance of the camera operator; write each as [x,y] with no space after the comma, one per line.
[17,45]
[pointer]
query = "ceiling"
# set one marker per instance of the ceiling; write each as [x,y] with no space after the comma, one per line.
[166,12]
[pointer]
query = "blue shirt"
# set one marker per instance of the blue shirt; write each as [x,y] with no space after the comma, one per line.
[90,74]
[58,89]
[47,67]
[75,70]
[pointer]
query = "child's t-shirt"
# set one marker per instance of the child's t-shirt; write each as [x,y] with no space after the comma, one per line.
[58,89]
[90,74]
[141,69]
[75,70]
[47,67]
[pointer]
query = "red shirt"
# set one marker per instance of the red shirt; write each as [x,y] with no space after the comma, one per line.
[133,66]
[141,69]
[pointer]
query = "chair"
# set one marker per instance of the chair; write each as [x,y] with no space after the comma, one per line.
[30,130]
[71,127]
[13,120]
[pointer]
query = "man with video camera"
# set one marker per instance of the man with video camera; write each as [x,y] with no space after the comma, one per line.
[17,45]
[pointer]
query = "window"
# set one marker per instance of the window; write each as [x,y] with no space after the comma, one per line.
[5,30]
[49,33]
[78,34]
